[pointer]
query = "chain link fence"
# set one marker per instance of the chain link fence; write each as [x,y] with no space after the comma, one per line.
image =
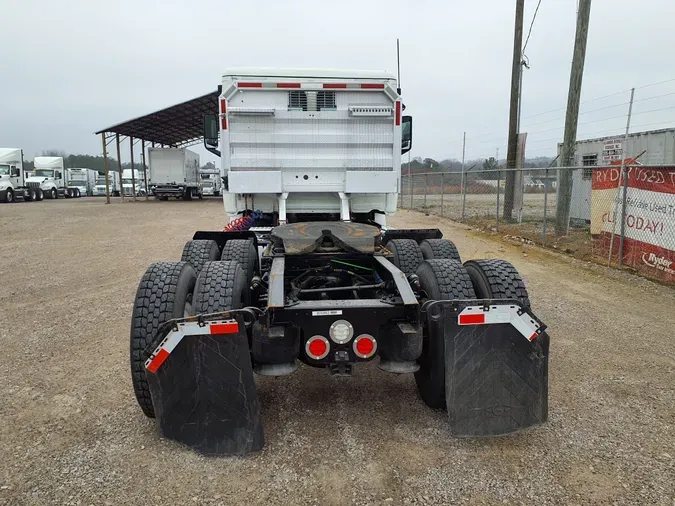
[636,232]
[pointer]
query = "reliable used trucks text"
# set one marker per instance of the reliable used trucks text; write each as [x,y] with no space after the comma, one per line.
[307,271]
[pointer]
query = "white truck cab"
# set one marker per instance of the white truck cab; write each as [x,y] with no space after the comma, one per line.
[211,182]
[131,180]
[310,142]
[50,178]
[83,180]
[13,177]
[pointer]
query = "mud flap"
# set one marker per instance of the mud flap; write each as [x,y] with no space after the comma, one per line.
[496,378]
[204,395]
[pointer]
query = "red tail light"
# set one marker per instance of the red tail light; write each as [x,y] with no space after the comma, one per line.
[317,347]
[365,346]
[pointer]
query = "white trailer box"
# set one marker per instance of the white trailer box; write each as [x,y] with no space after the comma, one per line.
[211,182]
[173,172]
[82,179]
[310,141]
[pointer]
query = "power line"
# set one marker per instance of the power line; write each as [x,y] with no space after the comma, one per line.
[530,30]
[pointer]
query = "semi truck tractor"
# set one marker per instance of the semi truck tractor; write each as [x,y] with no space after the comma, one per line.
[113,184]
[173,172]
[307,273]
[211,182]
[51,178]
[83,180]
[13,178]
[131,180]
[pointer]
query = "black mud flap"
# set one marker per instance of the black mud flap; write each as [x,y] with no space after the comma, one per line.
[204,395]
[496,377]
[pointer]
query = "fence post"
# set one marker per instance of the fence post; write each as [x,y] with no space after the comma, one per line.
[426,189]
[499,178]
[543,236]
[463,195]
[442,191]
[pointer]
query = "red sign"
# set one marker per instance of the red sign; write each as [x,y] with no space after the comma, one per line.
[649,243]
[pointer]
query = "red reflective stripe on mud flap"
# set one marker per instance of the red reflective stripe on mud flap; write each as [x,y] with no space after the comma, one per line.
[471,319]
[532,337]
[224,328]
[159,359]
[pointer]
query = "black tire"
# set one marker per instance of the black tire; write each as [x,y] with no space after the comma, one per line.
[39,195]
[9,198]
[198,252]
[244,252]
[31,195]
[188,194]
[163,198]
[497,279]
[407,255]
[53,194]
[221,286]
[439,248]
[165,292]
[77,193]
[441,279]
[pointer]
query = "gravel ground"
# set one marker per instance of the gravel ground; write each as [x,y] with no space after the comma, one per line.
[71,432]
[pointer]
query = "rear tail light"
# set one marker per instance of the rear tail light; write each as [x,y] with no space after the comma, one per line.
[317,347]
[365,346]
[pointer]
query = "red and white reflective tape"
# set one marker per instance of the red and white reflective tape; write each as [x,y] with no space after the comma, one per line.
[311,85]
[479,315]
[174,337]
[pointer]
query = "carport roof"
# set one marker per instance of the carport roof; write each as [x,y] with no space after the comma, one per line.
[178,126]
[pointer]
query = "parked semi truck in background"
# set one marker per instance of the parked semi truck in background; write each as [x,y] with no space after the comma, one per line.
[50,177]
[131,180]
[211,182]
[83,180]
[113,184]
[307,271]
[174,172]
[13,177]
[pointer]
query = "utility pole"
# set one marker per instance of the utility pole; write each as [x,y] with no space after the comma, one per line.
[516,69]
[562,217]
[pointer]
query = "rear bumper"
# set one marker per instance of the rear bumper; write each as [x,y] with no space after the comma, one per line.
[168,191]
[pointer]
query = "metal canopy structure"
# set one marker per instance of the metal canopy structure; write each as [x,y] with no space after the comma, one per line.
[177,126]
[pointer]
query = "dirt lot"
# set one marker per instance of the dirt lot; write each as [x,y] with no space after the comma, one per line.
[71,432]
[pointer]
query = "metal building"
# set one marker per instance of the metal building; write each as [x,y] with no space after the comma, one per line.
[656,147]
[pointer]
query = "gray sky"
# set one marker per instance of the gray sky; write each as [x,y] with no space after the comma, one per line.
[71,67]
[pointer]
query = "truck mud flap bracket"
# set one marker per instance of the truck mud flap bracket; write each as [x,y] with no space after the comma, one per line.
[202,387]
[496,365]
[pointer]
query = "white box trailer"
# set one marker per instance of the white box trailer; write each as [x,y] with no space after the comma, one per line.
[83,179]
[113,184]
[173,172]
[13,177]
[310,141]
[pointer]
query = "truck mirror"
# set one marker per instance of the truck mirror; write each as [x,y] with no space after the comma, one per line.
[211,130]
[406,134]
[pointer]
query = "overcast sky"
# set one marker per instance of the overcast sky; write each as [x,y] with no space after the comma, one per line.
[72,67]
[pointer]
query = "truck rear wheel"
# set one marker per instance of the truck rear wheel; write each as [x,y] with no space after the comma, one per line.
[497,279]
[441,279]
[165,292]
[439,248]
[244,252]
[9,197]
[200,251]
[407,255]
[53,194]
[221,286]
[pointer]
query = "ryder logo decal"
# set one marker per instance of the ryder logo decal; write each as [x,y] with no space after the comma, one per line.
[660,263]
